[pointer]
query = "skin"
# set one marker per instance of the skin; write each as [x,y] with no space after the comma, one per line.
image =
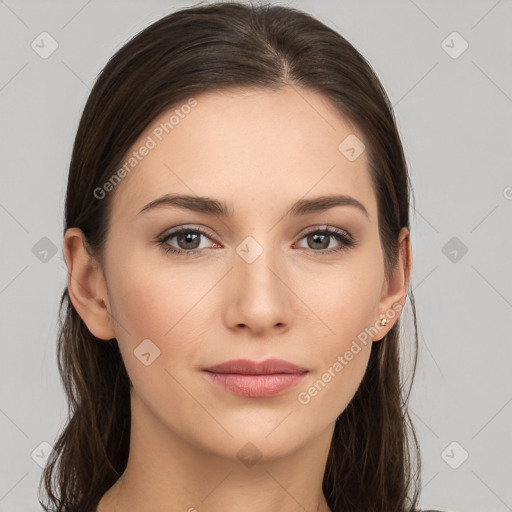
[260,151]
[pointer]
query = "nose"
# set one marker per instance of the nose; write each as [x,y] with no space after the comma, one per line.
[257,297]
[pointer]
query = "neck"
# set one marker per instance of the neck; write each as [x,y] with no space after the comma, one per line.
[167,473]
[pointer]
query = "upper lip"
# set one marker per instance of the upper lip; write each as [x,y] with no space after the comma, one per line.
[248,367]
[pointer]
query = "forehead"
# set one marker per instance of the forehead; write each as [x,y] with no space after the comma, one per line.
[259,147]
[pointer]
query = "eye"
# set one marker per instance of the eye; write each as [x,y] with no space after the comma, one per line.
[321,239]
[187,239]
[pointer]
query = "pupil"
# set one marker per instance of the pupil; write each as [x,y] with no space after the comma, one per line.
[314,239]
[187,240]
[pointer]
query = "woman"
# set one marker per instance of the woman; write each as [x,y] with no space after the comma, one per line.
[238,251]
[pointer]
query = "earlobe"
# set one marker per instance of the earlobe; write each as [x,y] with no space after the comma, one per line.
[396,287]
[86,285]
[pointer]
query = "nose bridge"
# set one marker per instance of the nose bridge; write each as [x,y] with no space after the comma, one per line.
[259,298]
[255,259]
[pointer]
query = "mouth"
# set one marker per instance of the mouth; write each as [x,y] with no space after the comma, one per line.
[255,386]
[254,379]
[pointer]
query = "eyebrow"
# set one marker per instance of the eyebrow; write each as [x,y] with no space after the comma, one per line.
[218,208]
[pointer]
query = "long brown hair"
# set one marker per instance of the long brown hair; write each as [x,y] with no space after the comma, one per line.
[373,463]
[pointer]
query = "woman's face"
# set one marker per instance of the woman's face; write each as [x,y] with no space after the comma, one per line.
[261,282]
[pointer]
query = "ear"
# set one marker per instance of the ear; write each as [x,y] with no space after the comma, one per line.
[394,290]
[86,285]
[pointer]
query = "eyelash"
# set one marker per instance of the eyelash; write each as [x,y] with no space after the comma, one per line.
[342,236]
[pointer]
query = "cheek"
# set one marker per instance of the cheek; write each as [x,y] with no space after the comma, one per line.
[344,298]
[345,302]
[159,303]
[164,302]
[140,302]
[328,392]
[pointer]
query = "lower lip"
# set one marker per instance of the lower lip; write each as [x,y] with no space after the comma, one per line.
[255,386]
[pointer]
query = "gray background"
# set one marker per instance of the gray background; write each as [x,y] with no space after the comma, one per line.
[454,119]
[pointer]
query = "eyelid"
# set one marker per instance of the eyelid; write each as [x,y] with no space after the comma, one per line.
[347,240]
[169,232]
[344,238]
[324,227]
[306,231]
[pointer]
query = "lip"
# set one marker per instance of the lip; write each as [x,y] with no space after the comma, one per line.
[254,379]
[249,367]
